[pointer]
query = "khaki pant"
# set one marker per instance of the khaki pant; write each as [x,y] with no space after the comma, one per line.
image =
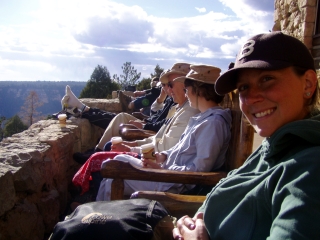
[113,128]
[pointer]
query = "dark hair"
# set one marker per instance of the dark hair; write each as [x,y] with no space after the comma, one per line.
[204,90]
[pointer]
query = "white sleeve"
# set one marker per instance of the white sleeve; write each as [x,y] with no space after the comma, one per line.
[156,106]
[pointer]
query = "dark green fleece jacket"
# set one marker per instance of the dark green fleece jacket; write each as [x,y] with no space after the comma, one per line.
[275,194]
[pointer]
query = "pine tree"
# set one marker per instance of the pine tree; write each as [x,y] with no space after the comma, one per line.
[130,76]
[145,82]
[157,71]
[14,125]
[99,85]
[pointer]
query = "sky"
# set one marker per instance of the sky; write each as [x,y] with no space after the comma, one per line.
[64,40]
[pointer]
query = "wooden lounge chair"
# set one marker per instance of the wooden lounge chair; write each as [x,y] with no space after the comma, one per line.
[240,148]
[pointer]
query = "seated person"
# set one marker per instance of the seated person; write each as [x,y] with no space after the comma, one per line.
[201,147]
[102,118]
[166,137]
[275,194]
[143,99]
[112,130]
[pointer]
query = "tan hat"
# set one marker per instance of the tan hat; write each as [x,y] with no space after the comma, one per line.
[201,73]
[178,68]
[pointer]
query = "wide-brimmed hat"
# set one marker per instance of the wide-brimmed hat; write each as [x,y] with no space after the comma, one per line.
[270,51]
[201,73]
[177,68]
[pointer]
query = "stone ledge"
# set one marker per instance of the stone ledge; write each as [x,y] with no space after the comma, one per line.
[36,169]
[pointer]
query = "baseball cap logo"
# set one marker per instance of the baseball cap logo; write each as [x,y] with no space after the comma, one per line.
[246,49]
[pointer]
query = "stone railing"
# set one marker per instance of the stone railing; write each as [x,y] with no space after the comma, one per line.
[296,18]
[36,169]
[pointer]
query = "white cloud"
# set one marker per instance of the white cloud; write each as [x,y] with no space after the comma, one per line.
[201,10]
[254,14]
[67,39]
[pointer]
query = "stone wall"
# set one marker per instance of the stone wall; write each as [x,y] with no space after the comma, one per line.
[36,168]
[296,18]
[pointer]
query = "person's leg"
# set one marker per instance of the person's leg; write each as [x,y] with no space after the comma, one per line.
[93,164]
[137,103]
[113,128]
[95,116]
[98,117]
[125,101]
[107,146]
[96,179]
[146,111]
[104,193]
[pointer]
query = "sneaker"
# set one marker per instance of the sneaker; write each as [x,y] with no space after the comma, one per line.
[124,100]
[73,111]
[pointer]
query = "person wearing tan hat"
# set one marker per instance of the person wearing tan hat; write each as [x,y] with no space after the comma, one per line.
[202,145]
[177,70]
[165,138]
[212,123]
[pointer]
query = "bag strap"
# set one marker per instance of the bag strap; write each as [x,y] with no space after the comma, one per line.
[150,208]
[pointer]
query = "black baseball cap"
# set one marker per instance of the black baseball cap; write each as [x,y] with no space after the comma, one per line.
[270,51]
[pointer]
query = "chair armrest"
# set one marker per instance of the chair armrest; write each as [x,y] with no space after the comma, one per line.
[135,134]
[140,115]
[119,171]
[124,170]
[127,126]
[178,205]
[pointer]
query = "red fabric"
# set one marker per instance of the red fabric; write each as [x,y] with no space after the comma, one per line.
[93,164]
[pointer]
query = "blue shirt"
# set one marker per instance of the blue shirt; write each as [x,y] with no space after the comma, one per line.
[204,143]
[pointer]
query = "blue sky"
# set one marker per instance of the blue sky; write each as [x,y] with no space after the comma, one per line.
[64,40]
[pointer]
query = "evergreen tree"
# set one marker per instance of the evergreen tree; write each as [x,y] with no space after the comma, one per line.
[13,126]
[29,111]
[99,85]
[145,82]
[157,71]
[130,76]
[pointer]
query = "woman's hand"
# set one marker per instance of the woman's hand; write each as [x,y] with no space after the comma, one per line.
[190,228]
[120,147]
[162,96]
[160,157]
[150,163]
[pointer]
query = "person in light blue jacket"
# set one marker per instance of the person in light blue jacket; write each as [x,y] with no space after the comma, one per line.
[203,144]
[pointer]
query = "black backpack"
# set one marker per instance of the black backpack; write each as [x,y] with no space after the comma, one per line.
[121,219]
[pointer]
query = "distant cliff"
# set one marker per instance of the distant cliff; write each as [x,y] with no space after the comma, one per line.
[14,93]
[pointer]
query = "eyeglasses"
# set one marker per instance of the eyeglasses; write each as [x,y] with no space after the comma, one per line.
[170,84]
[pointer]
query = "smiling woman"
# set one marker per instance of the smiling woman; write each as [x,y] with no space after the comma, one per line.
[275,194]
[267,100]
